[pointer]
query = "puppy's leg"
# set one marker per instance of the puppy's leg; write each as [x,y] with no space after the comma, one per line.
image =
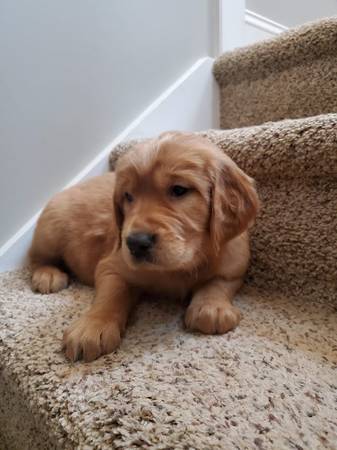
[44,254]
[47,279]
[211,310]
[99,330]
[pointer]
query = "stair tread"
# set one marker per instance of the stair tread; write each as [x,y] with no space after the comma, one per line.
[277,367]
[299,45]
[293,75]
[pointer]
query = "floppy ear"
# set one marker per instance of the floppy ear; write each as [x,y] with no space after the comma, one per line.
[234,202]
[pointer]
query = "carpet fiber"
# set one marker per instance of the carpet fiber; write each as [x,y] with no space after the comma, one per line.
[269,384]
[293,75]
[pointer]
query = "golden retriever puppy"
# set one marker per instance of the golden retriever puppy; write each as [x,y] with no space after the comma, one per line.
[171,220]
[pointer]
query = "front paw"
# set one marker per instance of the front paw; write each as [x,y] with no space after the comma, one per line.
[90,337]
[212,317]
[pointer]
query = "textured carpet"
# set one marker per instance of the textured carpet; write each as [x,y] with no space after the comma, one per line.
[293,75]
[270,384]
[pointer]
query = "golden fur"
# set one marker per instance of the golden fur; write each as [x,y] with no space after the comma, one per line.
[201,248]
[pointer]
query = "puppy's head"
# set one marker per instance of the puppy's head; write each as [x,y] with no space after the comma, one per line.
[177,199]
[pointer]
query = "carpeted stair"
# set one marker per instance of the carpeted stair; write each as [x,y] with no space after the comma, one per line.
[270,384]
[292,76]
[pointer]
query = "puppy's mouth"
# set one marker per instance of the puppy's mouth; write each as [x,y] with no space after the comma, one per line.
[139,258]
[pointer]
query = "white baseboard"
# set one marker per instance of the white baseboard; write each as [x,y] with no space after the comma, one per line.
[257,28]
[263,23]
[190,104]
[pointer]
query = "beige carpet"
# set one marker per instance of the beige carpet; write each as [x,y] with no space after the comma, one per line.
[270,384]
[293,75]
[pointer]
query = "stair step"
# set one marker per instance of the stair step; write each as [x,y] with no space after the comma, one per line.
[290,76]
[165,387]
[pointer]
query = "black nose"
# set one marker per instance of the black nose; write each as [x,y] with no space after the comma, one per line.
[140,244]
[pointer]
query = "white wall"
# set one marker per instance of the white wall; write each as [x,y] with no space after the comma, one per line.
[74,74]
[293,12]
[257,28]
[264,19]
[252,34]
[241,27]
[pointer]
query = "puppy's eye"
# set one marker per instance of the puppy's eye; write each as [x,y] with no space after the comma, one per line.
[128,197]
[178,191]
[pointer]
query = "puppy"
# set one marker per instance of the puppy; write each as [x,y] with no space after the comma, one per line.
[172,219]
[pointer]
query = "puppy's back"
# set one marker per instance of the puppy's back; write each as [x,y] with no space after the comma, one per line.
[77,227]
